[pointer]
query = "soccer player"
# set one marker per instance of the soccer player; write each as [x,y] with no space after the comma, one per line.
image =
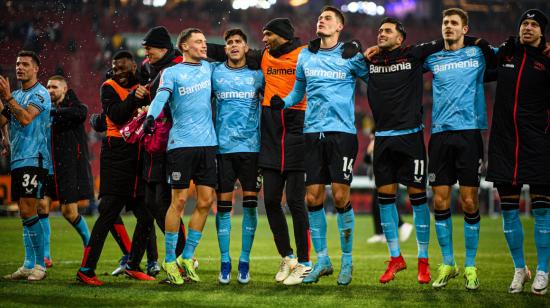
[121,96]
[331,140]
[395,96]
[191,152]
[27,112]
[456,147]
[281,145]
[519,147]
[237,90]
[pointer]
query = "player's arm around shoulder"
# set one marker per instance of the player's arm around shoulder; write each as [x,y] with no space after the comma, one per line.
[359,67]
[424,50]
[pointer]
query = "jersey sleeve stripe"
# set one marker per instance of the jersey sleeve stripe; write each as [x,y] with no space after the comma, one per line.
[164,89]
[40,108]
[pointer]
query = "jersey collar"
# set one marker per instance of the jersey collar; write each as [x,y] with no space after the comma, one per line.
[234,68]
[26,90]
[331,48]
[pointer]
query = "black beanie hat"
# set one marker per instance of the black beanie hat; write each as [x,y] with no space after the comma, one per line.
[537,16]
[158,37]
[281,27]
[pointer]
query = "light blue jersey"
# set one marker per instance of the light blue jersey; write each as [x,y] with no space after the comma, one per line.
[187,88]
[29,144]
[329,82]
[237,94]
[458,96]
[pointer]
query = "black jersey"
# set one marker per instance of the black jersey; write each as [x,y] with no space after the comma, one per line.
[395,86]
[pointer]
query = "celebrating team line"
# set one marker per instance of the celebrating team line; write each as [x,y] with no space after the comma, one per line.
[273,109]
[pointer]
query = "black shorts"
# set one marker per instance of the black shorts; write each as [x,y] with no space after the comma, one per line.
[28,182]
[455,155]
[241,166]
[50,190]
[329,157]
[400,159]
[68,187]
[186,164]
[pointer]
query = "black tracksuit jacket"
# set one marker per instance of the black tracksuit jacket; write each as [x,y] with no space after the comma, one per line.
[519,144]
[154,165]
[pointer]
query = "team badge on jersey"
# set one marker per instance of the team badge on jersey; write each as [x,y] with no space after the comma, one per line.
[470,52]
[176,176]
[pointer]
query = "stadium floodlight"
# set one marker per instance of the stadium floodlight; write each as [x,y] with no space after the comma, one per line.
[155,3]
[363,7]
[245,4]
[353,7]
[297,2]
[370,8]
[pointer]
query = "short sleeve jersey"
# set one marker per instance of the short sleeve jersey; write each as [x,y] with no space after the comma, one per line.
[458,96]
[330,87]
[237,92]
[190,90]
[29,144]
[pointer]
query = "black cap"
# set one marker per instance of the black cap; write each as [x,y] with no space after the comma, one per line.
[123,54]
[281,27]
[158,37]
[537,16]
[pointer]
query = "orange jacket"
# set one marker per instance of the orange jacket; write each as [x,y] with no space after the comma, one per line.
[280,75]
[113,130]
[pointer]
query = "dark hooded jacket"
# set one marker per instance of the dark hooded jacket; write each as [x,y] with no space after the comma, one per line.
[519,145]
[70,146]
[154,165]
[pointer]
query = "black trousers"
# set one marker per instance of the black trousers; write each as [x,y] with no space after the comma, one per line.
[118,231]
[110,207]
[157,201]
[274,183]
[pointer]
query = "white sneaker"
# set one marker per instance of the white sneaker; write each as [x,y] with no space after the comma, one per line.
[20,274]
[377,238]
[540,284]
[521,276]
[286,266]
[297,275]
[405,231]
[37,273]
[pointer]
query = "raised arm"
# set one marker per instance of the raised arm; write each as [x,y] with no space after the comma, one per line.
[119,111]
[23,115]
[75,113]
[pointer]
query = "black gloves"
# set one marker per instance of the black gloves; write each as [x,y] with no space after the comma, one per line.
[277,102]
[351,48]
[98,122]
[149,125]
[470,40]
[314,45]
[252,62]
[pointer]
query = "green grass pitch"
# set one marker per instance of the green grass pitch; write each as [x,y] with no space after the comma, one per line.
[61,289]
